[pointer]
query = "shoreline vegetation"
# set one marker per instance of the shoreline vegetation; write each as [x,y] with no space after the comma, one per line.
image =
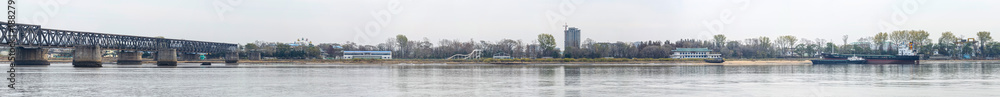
[553,61]
[617,61]
[948,46]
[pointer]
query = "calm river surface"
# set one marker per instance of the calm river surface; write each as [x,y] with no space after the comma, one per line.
[190,79]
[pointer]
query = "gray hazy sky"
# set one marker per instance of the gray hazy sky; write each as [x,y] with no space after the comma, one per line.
[338,21]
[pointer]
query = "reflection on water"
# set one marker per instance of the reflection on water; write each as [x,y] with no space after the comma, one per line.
[965,79]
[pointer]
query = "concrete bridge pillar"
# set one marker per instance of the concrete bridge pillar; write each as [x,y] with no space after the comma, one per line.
[232,57]
[129,58]
[30,56]
[166,57]
[253,56]
[87,56]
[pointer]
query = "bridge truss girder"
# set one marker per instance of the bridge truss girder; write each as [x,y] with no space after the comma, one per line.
[35,36]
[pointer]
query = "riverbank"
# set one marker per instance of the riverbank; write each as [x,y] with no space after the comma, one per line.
[729,62]
[584,62]
[499,62]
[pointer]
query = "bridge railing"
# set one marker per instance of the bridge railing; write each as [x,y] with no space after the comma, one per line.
[35,36]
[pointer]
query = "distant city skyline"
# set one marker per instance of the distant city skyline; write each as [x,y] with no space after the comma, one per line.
[374,21]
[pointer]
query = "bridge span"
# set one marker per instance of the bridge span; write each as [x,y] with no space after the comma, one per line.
[32,42]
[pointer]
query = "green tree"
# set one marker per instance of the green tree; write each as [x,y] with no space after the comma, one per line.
[947,38]
[800,49]
[720,40]
[967,49]
[946,44]
[918,37]
[984,37]
[786,43]
[654,52]
[830,47]
[250,47]
[765,41]
[992,49]
[766,47]
[402,40]
[548,43]
[283,50]
[403,46]
[880,40]
[313,52]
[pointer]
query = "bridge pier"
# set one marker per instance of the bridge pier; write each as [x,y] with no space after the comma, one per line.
[166,57]
[87,56]
[129,58]
[30,56]
[232,57]
[253,56]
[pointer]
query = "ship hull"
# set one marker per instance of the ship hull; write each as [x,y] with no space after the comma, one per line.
[890,61]
[877,59]
[838,62]
[718,60]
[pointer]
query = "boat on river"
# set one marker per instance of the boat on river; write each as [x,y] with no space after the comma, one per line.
[851,60]
[906,55]
[715,60]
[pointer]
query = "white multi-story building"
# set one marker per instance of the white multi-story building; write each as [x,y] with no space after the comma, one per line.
[367,54]
[684,53]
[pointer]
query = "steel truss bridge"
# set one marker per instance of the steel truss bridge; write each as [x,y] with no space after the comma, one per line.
[27,35]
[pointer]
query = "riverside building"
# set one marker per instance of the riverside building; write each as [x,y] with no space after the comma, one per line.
[367,54]
[685,53]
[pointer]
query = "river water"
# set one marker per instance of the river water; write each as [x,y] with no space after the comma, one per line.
[285,80]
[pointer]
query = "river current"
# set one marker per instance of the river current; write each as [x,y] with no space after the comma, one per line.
[288,80]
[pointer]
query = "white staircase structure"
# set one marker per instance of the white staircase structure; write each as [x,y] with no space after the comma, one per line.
[475,54]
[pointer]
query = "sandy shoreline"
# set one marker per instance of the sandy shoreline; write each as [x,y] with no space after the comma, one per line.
[727,63]
[770,62]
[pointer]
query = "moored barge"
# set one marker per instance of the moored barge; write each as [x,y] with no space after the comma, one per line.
[906,55]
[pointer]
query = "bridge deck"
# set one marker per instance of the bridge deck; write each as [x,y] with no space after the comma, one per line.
[34,36]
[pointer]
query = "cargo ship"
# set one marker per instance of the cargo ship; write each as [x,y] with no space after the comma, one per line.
[850,60]
[906,55]
[876,59]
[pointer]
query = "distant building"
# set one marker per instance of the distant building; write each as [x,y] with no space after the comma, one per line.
[572,37]
[502,57]
[367,54]
[684,53]
[865,45]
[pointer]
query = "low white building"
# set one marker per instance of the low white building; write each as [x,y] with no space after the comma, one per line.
[502,57]
[684,53]
[367,54]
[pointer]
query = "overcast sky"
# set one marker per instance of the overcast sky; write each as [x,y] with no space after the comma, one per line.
[374,21]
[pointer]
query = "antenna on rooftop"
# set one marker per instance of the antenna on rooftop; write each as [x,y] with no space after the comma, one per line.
[565,26]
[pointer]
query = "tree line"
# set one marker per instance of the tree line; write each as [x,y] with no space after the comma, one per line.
[544,46]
